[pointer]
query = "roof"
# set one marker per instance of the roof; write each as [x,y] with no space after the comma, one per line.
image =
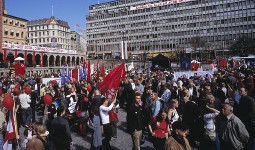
[14,17]
[48,21]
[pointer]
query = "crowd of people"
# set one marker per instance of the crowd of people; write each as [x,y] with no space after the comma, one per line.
[207,112]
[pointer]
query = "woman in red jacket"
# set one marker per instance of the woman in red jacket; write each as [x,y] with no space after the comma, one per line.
[159,129]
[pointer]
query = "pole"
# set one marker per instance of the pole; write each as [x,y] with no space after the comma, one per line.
[52,11]
[1,25]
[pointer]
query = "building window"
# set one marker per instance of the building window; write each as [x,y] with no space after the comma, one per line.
[12,32]
[5,20]
[17,34]
[22,34]
[11,22]
[5,31]
[53,32]
[16,23]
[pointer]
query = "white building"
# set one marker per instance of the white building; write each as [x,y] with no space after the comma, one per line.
[49,32]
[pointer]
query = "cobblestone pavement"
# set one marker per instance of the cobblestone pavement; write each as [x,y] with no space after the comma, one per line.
[122,142]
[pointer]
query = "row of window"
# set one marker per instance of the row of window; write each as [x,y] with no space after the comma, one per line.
[11,42]
[47,33]
[44,27]
[14,23]
[177,30]
[13,33]
[161,25]
[169,17]
[48,40]
[166,39]
[172,8]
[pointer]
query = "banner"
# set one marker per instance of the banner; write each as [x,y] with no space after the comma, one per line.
[75,74]
[112,80]
[46,81]
[19,69]
[191,73]
[37,48]
[158,4]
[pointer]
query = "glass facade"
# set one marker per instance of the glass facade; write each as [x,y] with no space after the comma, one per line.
[168,27]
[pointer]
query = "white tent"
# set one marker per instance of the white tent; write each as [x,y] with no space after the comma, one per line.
[19,58]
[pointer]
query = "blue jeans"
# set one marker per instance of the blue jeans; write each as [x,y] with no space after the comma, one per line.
[1,142]
[26,116]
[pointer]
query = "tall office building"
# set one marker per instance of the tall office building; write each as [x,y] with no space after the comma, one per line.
[49,32]
[153,26]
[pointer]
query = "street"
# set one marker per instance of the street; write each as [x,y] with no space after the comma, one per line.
[123,141]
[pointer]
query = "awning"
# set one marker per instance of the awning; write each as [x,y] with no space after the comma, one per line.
[5,29]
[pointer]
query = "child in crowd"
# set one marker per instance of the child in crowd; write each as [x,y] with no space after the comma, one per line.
[28,137]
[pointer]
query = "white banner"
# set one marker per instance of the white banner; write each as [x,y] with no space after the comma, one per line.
[191,73]
[37,48]
[158,4]
[47,80]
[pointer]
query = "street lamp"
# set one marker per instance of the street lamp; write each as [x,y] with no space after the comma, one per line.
[123,45]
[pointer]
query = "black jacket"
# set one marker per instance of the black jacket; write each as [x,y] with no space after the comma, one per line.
[135,118]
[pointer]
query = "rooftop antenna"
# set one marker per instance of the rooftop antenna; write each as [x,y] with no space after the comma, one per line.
[52,11]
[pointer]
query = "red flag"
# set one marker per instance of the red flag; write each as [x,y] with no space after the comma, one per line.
[5,55]
[89,70]
[34,58]
[98,74]
[15,54]
[19,69]
[77,25]
[25,56]
[103,71]
[123,74]
[42,60]
[75,74]
[10,132]
[112,80]
[84,65]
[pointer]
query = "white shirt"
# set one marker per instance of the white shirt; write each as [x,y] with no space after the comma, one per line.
[191,91]
[24,100]
[104,113]
[72,105]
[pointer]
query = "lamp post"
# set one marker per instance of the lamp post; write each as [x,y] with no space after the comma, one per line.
[123,44]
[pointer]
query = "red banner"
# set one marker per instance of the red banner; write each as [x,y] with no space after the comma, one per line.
[42,60]
[19,69]
[88,77]
[112,80]
[84,65]
[34,58]
[5,55]
[75,74]
[103,71]
[25,56]
[15,54]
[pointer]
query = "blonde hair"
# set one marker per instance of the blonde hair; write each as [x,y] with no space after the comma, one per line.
[40,128]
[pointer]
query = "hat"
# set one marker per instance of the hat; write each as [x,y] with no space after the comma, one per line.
[179,125]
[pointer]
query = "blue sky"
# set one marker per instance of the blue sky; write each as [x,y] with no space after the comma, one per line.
[72,11]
